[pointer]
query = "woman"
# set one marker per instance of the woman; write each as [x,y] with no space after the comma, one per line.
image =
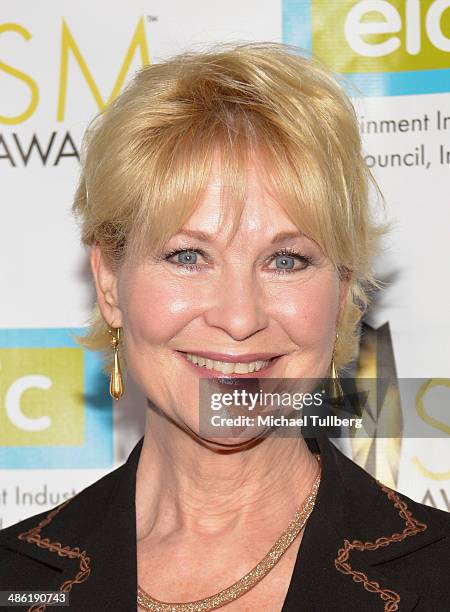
[224,199]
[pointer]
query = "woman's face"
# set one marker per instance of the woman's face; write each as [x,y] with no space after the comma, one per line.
[271,294]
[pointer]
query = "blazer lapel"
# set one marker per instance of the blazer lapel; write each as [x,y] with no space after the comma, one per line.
[356,527]
[113,545]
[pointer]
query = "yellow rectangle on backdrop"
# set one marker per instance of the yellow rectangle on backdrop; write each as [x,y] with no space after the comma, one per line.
[380,35]
[41,397]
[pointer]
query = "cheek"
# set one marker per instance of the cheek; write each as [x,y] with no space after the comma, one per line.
[309,312]
[154,309]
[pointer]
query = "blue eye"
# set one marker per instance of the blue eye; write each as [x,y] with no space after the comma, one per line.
[285,262]
[187,257]
[290,261]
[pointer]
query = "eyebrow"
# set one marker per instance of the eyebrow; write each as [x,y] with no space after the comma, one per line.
[207,237]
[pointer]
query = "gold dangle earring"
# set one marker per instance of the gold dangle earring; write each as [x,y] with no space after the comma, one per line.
[116,380]
[336,393]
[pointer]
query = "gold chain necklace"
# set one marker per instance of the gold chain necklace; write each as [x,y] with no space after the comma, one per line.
[247,582]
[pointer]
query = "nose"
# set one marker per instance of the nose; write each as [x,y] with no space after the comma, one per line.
[237,305]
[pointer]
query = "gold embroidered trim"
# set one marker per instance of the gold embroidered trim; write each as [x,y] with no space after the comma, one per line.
[33,536]
[413,527]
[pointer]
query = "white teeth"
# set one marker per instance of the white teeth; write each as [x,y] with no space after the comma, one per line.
[241,368]
[227,367]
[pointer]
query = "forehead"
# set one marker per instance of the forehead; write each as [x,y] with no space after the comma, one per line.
[262,214]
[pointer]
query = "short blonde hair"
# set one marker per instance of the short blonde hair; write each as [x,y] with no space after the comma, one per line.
[146,160]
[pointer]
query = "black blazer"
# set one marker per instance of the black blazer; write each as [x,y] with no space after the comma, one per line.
[365,547]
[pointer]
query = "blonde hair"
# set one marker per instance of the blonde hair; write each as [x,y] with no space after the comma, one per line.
[146,160]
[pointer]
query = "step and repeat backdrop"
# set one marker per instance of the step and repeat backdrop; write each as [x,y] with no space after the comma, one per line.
[63,61]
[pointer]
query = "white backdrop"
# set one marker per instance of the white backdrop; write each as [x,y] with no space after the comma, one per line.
[60,61]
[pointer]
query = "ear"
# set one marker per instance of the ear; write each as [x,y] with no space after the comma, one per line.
[106,288]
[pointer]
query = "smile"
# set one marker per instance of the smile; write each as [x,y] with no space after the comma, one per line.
[227,367]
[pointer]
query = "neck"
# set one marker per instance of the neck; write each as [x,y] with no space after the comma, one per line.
[183,484]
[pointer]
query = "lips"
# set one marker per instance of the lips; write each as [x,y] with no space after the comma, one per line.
[233,357]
